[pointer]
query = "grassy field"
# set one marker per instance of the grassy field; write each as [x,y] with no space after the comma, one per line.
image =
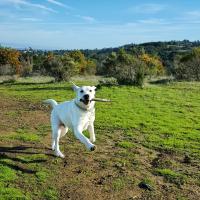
[148,144]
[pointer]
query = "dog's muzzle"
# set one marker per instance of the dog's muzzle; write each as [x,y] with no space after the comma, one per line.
[86,99]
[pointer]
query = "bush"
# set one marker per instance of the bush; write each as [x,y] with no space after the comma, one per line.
[126,68]
[187,67]
[108,82]
[61,68]
[139,76]
[132,74]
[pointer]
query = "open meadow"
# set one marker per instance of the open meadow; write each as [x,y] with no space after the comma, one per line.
[148,144]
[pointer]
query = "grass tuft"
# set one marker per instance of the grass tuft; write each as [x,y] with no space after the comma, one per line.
[171,176]
[125,144]
[7,174]
[51,194]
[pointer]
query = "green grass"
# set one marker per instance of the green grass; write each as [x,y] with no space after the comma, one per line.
[22,136]
[51,194]
[7,174]
[165,118]
[42,176]
[125,144]
[12,194]
[171,176]
[25,137]
[118,184]
[7,191]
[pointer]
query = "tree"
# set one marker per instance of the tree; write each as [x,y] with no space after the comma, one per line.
[9,58]
[90,67]
[126,68]
[153,64]
[79,59]
[187,67]
[60,67]
[26,60]
[109,64]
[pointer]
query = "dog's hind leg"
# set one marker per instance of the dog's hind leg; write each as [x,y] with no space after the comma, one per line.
[57,148]
[64,130]
[56,133]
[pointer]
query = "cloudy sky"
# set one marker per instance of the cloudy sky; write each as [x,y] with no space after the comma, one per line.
[75,24]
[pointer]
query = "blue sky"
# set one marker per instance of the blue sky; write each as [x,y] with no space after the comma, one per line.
[81,24]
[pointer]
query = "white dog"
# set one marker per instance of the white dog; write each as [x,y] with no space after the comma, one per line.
[77,115]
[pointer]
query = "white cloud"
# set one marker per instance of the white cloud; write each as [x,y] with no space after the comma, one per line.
[30,19]
[27,4]
[86,18]
[58,3]
[148,8]
[193,14]
[154,21]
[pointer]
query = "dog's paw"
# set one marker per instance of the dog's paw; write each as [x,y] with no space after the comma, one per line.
[59,154]
[92,148]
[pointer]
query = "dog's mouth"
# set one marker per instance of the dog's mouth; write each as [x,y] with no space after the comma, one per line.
[85,101]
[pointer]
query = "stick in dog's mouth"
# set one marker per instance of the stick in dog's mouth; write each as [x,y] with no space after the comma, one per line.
[101,100]
[95,99]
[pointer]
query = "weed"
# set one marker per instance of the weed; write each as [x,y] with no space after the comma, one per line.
[51,194]
[125,144]
[171,176]
[12,193]
[7,174]
[25,136]
[118,184]
[42,176]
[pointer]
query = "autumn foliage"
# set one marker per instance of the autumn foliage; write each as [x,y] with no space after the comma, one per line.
[10,57]
[154,65]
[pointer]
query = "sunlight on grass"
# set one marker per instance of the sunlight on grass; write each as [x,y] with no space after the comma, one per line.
[158,118]
[7,174]
[171,176]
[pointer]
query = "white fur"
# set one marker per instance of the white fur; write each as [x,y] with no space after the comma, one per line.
[73,115]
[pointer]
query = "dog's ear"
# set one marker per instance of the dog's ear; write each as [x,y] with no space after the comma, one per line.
[97,87]
[74,86]
[94,88]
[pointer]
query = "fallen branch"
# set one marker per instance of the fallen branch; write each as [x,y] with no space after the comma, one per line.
[101,100]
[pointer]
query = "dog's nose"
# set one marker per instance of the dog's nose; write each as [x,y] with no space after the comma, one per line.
[86,96]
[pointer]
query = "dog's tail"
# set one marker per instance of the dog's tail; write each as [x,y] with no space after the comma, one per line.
[52,102]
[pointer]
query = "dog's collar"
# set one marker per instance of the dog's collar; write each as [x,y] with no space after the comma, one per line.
[84,109]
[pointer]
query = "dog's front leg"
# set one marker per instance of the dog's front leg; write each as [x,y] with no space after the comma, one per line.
[92,134]
[79,135]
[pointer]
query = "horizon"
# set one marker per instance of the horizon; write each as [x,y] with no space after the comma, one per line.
[59,24]
[37,49]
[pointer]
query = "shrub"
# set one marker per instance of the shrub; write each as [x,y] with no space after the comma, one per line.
[126,68]
[61,68]
[187,67]
[108,82]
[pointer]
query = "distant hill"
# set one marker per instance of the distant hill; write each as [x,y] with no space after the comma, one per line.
[165,50]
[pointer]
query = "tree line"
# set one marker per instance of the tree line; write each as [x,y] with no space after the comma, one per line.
[129,64]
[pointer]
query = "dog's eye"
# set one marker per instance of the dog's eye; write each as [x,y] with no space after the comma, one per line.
[90,90]
[81,91]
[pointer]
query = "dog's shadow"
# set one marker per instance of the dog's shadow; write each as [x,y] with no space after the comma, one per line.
[9,158]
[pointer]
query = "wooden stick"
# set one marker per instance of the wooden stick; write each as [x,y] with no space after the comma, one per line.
[101,100]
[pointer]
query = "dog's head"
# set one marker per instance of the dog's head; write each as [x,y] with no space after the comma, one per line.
[84,95]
